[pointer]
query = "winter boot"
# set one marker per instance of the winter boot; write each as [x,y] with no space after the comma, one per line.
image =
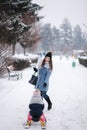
[43,125]
[27,124]
[43,121]
[49,103]
[49,106]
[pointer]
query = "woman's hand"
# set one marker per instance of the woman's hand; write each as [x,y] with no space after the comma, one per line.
[35,69]
[45,84]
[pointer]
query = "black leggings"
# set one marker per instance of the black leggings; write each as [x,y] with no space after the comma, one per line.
[44,95]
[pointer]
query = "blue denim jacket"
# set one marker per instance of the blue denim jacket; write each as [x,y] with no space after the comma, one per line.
[43,77]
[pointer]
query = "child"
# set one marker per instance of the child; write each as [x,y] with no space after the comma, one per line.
[36,107]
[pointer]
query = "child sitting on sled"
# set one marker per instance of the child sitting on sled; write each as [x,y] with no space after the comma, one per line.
[36,107]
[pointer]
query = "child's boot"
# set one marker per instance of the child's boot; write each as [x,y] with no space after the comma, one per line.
[43,125]
[43,121]
[29,120]
[27,124]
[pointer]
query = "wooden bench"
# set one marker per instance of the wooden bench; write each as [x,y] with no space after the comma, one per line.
[13,73]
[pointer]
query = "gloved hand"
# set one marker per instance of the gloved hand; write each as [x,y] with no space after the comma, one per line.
[35,69]
[45,84]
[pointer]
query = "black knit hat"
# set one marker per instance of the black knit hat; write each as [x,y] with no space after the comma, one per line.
[49,54]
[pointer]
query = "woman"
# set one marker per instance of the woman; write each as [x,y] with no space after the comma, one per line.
[44,73]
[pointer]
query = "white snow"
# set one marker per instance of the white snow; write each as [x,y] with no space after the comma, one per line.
[27,56]
[82,57]
[67,90]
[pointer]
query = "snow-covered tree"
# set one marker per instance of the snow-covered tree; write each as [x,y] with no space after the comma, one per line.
[56,38]
[62,39]
[78,37]
[12,26]
[46,34]
[66,34]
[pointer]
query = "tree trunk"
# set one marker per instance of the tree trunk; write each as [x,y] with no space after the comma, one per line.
[24,50]
[13,49]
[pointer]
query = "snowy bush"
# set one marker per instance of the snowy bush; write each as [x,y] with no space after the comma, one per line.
[83,60]
[20,61]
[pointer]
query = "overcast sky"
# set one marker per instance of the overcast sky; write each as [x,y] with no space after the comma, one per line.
[56,10]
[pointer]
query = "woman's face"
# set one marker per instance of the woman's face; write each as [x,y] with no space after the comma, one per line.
[47,59]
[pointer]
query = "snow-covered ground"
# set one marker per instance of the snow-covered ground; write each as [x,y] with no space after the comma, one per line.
[67,90]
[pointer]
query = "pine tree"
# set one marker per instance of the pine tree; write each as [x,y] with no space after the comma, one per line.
[12,26]
[66,34]
[46,35]
[78,38]
[56,38]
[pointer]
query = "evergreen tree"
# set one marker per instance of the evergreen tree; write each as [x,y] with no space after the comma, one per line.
[66,34]
[78,39]
[56,38]
[12,25]
[46,35]
[62,39]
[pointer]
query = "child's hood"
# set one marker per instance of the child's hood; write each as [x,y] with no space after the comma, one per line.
[36,98]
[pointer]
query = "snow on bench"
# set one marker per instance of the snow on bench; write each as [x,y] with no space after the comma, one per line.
[13,73]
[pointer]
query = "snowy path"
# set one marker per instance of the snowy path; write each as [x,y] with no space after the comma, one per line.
[68,92]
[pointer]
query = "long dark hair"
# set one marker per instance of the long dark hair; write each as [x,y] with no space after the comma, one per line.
[50,63]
